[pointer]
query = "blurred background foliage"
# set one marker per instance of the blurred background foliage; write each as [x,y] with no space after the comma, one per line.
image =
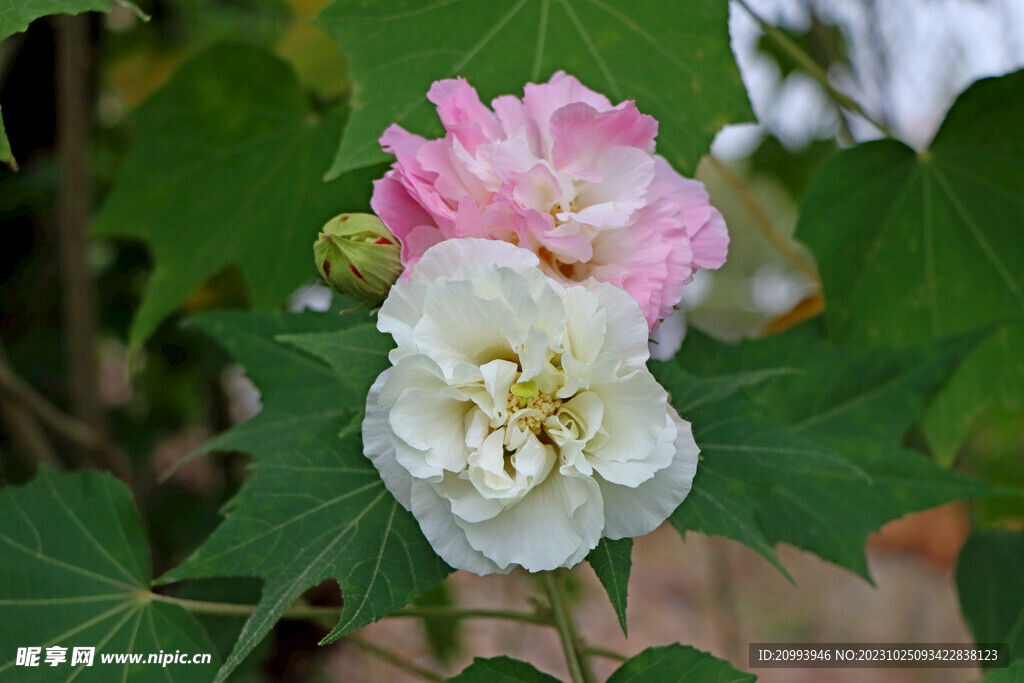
[904,61]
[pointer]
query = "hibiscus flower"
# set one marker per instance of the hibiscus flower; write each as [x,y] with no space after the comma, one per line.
[560,172]
[519,422]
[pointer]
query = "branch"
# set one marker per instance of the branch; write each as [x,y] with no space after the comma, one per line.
[394,659]
[780,38]
[26,434]
[74,120]
[301,611]
[315,613]
[20,393]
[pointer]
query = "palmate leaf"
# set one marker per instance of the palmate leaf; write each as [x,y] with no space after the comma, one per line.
[227,169]
[314,507]
[912,246]
[990,584]
[672,58]
[809,455]
[75,572]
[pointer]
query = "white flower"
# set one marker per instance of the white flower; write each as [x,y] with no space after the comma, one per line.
[519,422]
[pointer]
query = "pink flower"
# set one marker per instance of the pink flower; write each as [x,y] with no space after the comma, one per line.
[560,172]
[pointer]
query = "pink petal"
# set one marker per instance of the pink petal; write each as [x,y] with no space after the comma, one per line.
[462,114]
[581,135]
[394,205]
[710,243]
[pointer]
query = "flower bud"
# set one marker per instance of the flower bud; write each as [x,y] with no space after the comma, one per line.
[358,256]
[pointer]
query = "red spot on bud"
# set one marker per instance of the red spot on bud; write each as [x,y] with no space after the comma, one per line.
[355,272]
[382,240]
[327,268]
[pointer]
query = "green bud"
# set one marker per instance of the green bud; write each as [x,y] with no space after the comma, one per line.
[358,256]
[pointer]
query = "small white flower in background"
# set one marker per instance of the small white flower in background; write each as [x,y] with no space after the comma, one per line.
[519,422]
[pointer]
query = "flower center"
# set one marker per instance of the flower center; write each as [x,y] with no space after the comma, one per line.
[524,396]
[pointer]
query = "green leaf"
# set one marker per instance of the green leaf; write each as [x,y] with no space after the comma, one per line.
[357,355]
[836,391]
[612,561]
[678,664]
[501,670]
[314,507]
[1013,674]
[227,169]
[809,454]
[75,572]
[16,15]
[6,156]
[674,59]
[990,584]
[912,246]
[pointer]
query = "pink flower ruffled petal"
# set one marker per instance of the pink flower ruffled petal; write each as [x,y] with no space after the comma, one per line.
[561,172]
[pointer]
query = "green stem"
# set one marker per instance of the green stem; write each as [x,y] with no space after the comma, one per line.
[394,659]
[572,645]
[454,612]
[814,69]
[607,654]
[312,612]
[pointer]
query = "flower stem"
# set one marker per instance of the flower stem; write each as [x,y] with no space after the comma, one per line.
[572,645]
[300,611]
[607,654]
[779,37]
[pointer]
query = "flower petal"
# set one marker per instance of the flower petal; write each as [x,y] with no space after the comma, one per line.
[435,425]
[378,448]
[637,511]
[446,258]
[437,522]
[634,417]
[555,525]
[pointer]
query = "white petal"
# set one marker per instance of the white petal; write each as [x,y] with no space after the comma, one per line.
[498,377]
[459,327]
[412,372]
[577,419]
[634,416]
[533,462]
[637,470]
[377,444]
[668,338]
[399,314]
[466,501]
[449,541]
[487,469]
[626,328]
[638,511]
[585,323]
[433,424]
[445,259]
[556,525]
